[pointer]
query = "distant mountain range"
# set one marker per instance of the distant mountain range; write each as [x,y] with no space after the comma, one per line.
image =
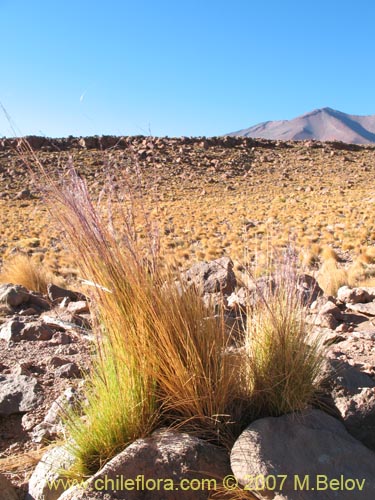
[324,124]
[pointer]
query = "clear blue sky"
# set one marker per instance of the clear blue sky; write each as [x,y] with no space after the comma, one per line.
[180,67]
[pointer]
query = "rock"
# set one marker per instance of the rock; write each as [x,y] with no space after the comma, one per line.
[332,309]
[52,426]
[310,445]
[323,320]
[7,491]
[46,471]
[25,194]
[15,331]
[57,293]
[69,370]
[61,338]
[36,331]
[11,330]
[64,320]
[18,394]
[212,277]
[165,455]
[13,295]
[348,295]
[367,309]
[353,393]
[309,288]
[79,307]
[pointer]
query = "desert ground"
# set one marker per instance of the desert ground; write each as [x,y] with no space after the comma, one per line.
[207,197]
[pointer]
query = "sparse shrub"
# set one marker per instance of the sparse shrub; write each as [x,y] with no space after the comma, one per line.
[23,270]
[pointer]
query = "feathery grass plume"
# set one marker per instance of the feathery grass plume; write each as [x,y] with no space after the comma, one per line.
[331,277]
[160,350]
[23,270]
[283,360]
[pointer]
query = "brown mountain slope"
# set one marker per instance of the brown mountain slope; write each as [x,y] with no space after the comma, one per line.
[324,124]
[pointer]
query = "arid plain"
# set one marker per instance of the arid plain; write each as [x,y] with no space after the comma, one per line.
[206,198]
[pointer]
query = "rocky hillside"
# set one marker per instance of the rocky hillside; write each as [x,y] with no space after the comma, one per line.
[324,124]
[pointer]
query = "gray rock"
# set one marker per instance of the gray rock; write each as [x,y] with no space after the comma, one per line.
[47,471]
[353,394]
[7,491]
[309,289]
[13,295]
[164,455]
[18,394]
[52,425]
[69,370]
[212,277]
[349,295]
[367,309]
[311,446]
[11,330]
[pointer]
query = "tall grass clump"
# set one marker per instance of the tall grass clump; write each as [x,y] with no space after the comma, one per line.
[159,348]
[331,277]
[283,360]
[23,270]
[162,354]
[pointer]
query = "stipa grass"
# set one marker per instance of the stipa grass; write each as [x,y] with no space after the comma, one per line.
[162,356]
[283,359]
[23,270]
[159,351]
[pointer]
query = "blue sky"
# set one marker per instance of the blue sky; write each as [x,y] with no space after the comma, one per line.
[180,68]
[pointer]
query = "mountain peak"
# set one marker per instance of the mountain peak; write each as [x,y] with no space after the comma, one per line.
[323,124]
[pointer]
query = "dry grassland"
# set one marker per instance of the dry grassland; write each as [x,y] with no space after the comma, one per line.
[208,198]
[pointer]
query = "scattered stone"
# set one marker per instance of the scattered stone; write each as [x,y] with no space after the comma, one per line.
[69,370]
[52,425]
[57,293]
[18,394]
[13,295]
[212,277]
[311,444]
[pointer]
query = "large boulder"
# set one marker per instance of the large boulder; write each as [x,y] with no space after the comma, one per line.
[353,394]
[18,394]
[46,482]
[7,491]
[212,277]
[158,468]
[303,456]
